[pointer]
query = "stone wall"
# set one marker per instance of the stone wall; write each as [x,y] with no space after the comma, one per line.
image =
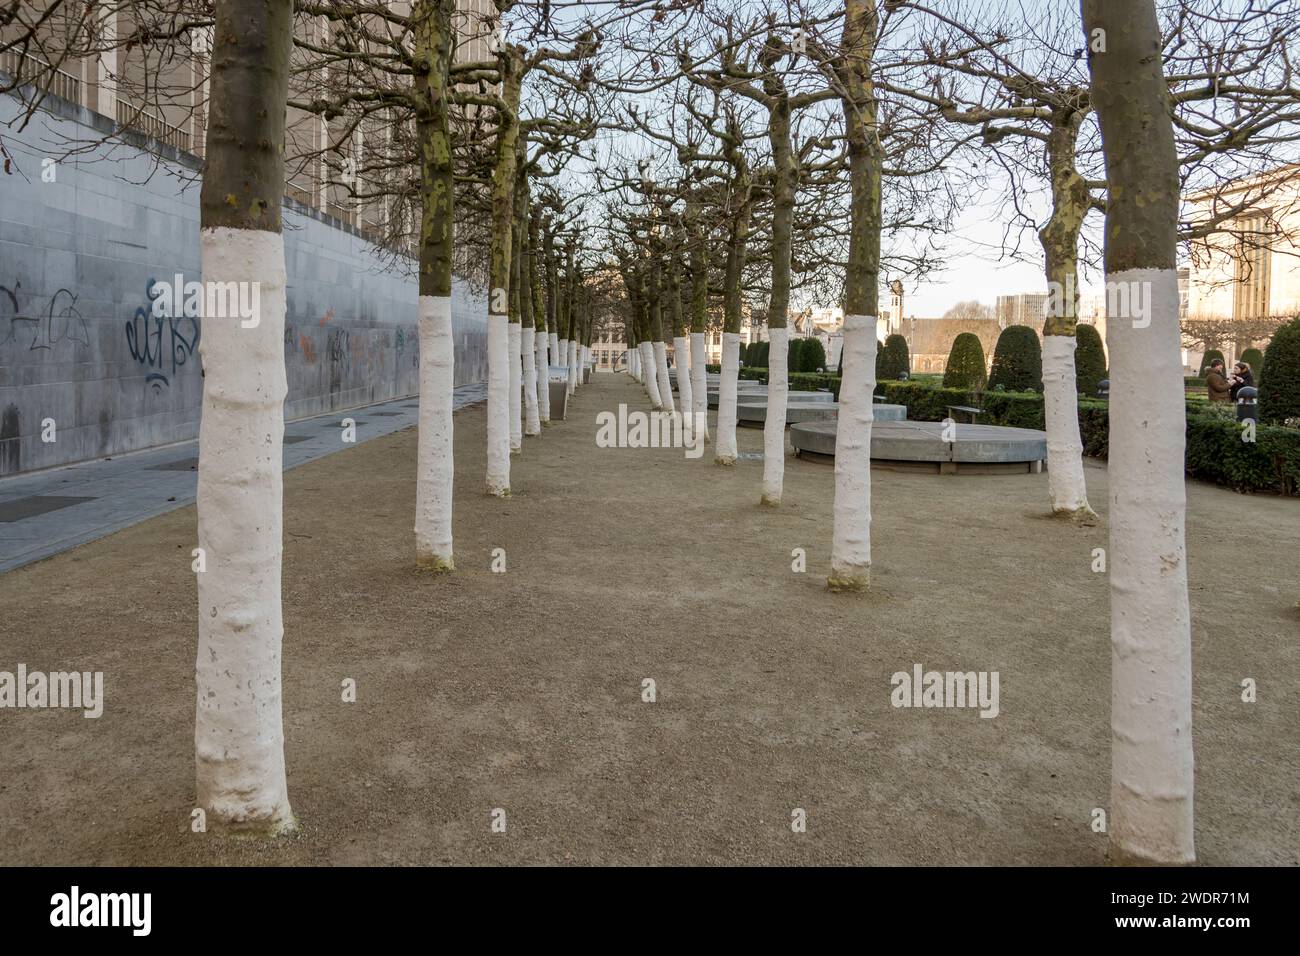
[82,240]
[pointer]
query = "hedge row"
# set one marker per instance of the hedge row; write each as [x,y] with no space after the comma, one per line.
[1215,451]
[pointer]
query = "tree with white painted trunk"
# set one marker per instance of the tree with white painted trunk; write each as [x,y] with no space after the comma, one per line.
[238,729]
[431,22]
[740,203]
[851,534]
[1152,783]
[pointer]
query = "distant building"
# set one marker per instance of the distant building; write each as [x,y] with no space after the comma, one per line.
[1023,308]
[930,340]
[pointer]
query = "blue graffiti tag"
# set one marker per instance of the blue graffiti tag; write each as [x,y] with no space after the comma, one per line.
[145,334]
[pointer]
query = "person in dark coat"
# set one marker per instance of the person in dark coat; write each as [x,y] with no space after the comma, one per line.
[1216,383]
[1242,377]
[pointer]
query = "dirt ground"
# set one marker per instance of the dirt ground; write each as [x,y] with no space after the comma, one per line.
[522,690]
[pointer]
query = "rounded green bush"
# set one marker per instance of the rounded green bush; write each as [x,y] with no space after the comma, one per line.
[814,355]
[1279,376]
[1210,356]
[1089,359]
[1017,361]
[966,367]
[896,359]
[761,358]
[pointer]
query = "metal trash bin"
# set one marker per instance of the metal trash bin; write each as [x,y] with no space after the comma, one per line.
[1247,408]
[586,375]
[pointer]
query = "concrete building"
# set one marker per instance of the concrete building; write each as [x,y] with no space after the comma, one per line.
[85,238]
[1249,274]
[1023,308]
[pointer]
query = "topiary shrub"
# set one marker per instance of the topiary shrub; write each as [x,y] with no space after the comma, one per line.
[1279,375]
[896,360]
[795,358]
[1255,359]
[763,349]
[1210,356]
[1089,360]
[1017,361]
[814,355]
[966,367]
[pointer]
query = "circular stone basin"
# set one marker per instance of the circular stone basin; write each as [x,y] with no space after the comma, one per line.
[760,395]
[974,448]
[755,413]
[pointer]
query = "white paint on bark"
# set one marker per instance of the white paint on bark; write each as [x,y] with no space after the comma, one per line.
[514,341]
[725,448]
[528,352]
[1065,480]
[556,356]
[661,376]
[851,533]
[498,417]
[1150,629]
[434,462]
[542,358]
[573,366]
[238,729]
[650,376]
[682,362]
[700,382]
[778,388]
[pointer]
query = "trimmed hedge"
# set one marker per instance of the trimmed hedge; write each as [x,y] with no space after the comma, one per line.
[966,368]
[896,359]
[1255,359]
[1089,360]
[1279,376]
[1209,357]
[794,358]
[1017,361]
[814,355]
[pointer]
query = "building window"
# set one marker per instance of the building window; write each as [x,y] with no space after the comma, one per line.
[1251,289]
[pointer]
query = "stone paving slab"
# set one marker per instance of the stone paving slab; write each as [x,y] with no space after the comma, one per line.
[118,492]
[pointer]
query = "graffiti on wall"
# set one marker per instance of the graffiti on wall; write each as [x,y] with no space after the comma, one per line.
[160,343]
[59,321]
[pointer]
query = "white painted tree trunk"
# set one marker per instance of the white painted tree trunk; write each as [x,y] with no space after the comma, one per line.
[514,342]
[573,366]
[778,388]
[1064,446]
[498,420]
[556,356]
[682,359]
[1150,630]
[700,383]
[650,377]
[238,731]
[634,362]
[542,370]
[851,534]
[563,359]
[434,463]
[528,353]
[661,375]
[725,449]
